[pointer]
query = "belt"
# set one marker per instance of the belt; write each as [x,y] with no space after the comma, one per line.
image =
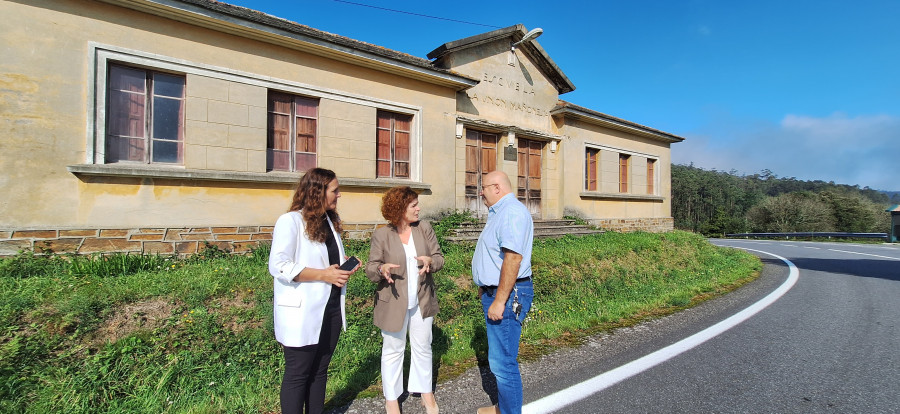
[520,280]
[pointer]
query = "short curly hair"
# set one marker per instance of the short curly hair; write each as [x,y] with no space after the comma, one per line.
[394,203]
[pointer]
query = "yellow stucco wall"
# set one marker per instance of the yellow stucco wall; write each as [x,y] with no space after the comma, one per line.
[52,108]
[517,94]
[581,134]
[46,80]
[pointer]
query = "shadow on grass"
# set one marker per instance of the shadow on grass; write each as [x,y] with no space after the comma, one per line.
[363,376]
[369,372]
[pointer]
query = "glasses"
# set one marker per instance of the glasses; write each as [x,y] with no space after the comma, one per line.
[486,186]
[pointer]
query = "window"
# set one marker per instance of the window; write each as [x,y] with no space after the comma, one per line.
[651,176]
[145,121]
[623,172]
[392,141]
[291,138]
[591,159]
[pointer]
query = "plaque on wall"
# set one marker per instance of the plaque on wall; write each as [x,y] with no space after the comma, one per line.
[510,153]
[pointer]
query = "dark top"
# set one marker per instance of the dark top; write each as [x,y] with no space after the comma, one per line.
[334,258]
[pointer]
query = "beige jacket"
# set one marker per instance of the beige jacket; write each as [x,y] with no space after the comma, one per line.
[391,300]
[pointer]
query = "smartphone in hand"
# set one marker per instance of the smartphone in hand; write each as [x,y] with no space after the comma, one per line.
[349,264]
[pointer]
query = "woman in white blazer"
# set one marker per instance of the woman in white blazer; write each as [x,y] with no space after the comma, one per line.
[309,289]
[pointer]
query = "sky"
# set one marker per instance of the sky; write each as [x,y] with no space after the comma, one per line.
[803,89]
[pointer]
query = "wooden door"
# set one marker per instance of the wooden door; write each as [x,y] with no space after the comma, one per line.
[481,158]
[529,182]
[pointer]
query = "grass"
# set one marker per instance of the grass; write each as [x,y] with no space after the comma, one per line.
[136,334]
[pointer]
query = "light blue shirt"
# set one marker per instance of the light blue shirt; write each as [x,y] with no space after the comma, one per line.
[509,226]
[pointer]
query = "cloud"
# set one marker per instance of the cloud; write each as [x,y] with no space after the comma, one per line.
[861,150]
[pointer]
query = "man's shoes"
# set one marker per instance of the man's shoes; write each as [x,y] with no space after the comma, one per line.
[489,410]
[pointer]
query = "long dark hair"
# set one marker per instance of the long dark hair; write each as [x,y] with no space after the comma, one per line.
[309,199]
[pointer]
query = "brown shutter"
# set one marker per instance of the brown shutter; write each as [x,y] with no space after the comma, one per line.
[305,146]
[383,145]
[623,173]
[126,123]
[279,134]
[590,169]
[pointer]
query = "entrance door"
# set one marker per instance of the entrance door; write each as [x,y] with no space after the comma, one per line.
[529,191]
[481,158]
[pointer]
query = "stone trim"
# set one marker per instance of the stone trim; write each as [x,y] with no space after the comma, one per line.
[178,173]
[621,196]
[627,225]
[181,241]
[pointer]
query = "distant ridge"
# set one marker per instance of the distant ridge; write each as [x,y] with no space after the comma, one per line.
[893,195]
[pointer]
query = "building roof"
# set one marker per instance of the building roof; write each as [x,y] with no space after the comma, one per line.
[598,118]
[254,24]
[894,208]
[540,57]
[249,23]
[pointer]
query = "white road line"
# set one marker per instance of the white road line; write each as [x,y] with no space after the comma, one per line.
[594,385]
[864,254]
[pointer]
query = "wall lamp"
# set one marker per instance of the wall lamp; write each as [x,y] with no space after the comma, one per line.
[531,35]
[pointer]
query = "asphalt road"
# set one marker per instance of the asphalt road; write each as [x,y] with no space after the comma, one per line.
[818,332]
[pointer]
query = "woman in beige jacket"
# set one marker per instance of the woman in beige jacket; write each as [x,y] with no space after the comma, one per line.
[402,259]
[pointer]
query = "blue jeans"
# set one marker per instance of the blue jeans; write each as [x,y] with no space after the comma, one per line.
[503,346]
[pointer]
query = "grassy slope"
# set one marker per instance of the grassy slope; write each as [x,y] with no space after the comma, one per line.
[155,335]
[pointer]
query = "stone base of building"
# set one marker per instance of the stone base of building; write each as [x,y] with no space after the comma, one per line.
[627,225]
[186,241]
[180,241]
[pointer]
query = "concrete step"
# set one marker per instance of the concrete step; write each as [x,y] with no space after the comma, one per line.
[537,223]
[537,230]
[542,229]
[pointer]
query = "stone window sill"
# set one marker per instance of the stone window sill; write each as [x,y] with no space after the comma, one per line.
[621,196]
[177,173]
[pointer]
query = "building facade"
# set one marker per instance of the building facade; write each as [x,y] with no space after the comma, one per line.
[157,126]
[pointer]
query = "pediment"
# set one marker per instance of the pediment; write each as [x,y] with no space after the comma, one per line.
[518,84]
[459,54]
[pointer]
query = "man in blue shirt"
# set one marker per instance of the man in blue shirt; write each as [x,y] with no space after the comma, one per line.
[501,267]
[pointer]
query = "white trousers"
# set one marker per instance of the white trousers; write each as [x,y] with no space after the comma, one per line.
[392,352]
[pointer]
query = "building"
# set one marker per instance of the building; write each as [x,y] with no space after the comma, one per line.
[158,125]
[895,222]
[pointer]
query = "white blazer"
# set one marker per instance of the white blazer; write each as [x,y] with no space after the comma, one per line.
[300,306]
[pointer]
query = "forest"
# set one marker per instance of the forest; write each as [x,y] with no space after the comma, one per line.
[714,202]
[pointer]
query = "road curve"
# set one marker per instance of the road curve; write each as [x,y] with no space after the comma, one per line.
[829,343]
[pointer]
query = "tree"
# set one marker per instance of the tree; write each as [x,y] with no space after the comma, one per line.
[715,202]
[788,213]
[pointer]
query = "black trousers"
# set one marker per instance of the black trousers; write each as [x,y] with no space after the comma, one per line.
[306,368]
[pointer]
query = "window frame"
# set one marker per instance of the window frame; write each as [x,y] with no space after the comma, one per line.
[624,172]
[651,176]
[588,177]
[610,189]
[152,99]
[293,135]
[393,133]
[100,55]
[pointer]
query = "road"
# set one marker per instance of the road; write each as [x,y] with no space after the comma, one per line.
[830,343]
[817,332]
